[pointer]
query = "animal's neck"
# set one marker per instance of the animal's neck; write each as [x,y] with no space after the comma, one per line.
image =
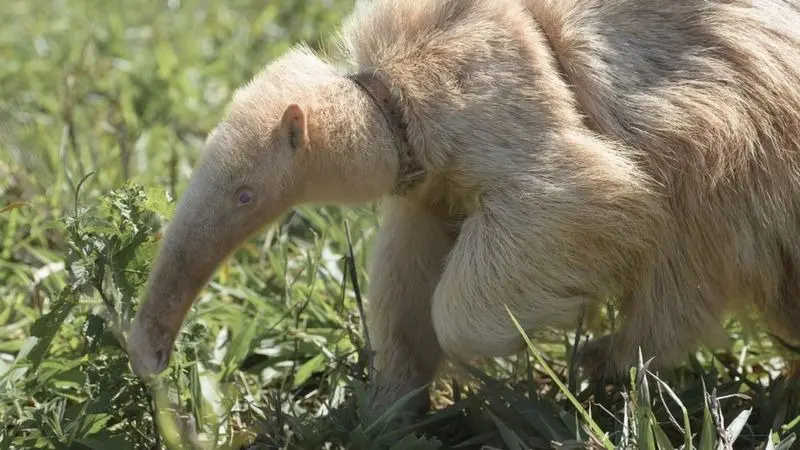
[375,87]
[353,156]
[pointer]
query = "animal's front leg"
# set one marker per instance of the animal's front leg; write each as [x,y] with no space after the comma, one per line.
[407,261]
[494,264]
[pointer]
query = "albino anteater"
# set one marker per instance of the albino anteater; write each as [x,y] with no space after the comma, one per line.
[541,155]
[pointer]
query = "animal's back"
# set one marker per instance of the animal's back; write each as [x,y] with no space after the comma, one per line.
[709,89]
[708,94]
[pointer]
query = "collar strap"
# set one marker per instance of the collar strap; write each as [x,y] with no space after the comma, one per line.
[410,169]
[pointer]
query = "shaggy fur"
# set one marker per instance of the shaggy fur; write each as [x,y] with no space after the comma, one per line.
[574,150]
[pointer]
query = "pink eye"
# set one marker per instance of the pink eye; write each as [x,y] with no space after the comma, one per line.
[245,197]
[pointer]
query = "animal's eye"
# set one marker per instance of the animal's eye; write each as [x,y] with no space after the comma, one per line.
[245,197]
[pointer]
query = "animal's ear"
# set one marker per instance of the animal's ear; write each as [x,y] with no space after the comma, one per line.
[295,126]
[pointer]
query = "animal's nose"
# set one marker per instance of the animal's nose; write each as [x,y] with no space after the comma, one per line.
[147,357]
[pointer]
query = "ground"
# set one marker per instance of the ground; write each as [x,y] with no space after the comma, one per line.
[104,107]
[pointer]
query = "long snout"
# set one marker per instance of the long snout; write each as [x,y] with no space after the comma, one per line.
[204,231]
[185,262]
[172,288]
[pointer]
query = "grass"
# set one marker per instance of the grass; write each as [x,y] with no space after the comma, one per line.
[104,109]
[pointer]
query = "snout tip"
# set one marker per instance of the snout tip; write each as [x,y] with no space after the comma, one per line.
[147,356]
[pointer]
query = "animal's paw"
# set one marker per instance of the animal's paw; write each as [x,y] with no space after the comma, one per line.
[404,410]
[597,359]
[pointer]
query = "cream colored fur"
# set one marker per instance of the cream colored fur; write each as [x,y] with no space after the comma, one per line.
[574,150]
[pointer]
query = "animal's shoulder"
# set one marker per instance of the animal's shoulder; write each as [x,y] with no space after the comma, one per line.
[381,32]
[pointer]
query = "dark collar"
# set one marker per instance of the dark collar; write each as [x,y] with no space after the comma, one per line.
[410,169]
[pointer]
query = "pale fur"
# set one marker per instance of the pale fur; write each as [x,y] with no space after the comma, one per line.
[574,150]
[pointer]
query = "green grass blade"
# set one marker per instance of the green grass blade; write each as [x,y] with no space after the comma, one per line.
[598,432]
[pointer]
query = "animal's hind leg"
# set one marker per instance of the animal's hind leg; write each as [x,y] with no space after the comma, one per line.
[662,320]
[783,313]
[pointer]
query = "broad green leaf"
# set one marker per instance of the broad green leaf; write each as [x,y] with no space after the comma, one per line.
[308,368]
[47,326]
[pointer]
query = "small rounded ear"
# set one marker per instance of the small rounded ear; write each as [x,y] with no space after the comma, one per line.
[294,126]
